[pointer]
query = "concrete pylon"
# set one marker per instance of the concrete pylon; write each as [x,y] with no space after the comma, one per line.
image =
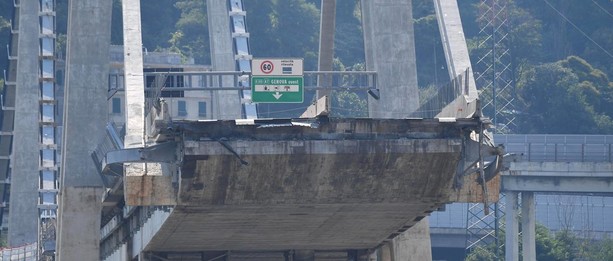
[226,104]
[85,117]
[414,244]
[512,227]
[326,43]
[23,215]
[390,51]
[528,226]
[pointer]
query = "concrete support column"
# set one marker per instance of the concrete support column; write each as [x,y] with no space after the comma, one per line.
[386,252]
[134,78]
[226,104]
[326,43]
[528,226]
[390,50]
[23,214]
[414,244]
[512,227]
[85,117]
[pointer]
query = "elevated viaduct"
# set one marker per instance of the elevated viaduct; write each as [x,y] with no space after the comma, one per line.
[561,181]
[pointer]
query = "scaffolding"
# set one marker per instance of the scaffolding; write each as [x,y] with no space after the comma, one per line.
[493,67]
[498,97]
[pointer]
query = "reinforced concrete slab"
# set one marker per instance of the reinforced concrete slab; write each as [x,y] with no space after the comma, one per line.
[346,184]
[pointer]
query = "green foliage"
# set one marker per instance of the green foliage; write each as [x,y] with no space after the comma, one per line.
[524,38]
[60,45]
[347,104]
[156,17]
[554,247]
[481,254]
[191,36]
[291,15]
[561,246]
[284,29]
[597,250]
[430,58]
[348,40]
[569,96]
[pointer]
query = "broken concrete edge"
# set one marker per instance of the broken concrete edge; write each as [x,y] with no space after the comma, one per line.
[318,108]
[468,193]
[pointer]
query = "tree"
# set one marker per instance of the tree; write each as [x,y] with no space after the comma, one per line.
[348,40]
[192,34]
[481,254]
[429,55]
[297,31]
[604,37]
[568,96]
[260,23]
[156,17]
[597,250]
[346,104]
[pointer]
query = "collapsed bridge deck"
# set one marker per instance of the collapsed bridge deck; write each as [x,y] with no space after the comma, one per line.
[302,183]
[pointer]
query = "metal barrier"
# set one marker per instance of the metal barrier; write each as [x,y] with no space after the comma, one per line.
[175,84]
[214,81]
[559,148]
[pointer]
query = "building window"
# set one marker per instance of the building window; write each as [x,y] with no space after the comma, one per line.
[202,109]
[116,105]
[182,108]
[112,82]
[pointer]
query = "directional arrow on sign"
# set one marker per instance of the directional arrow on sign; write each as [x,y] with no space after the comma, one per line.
[277,95]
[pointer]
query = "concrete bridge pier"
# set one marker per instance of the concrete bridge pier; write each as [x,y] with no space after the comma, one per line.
[391,52]
[85,114]
[512,226]
[412,245]
[528,226]
[527,178]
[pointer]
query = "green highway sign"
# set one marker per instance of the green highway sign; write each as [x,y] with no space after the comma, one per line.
[277,89]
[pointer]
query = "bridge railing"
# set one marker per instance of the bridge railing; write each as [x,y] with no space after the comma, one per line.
[559,148]
[444,95]
[180,85]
